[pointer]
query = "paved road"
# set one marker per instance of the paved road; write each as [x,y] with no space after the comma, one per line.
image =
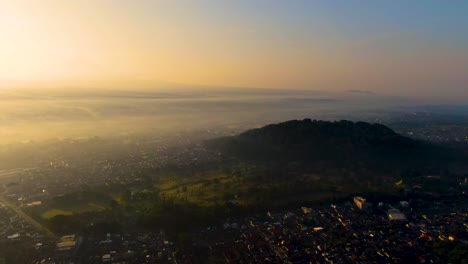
[13,172]
[26,217]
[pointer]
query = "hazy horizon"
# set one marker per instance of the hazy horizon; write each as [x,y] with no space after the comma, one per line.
[397,48]
[78,69]
[233,131]
[42,114]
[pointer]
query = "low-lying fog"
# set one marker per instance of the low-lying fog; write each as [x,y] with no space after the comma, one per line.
[35,115]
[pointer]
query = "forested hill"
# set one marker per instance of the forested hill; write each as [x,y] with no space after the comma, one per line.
[308,131]
[339,143]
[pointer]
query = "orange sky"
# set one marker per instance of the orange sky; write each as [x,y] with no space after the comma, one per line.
[269,44]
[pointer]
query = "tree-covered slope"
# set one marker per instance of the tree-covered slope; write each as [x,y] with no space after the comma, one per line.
[340,143]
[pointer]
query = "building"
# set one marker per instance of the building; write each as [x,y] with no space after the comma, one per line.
[396,215]
[306,210]
[361,203]
[404,204]
[35,203]
[68,244]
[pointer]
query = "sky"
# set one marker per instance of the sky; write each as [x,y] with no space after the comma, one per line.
[395,47]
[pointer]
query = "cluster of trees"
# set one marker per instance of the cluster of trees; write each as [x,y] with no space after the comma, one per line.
[451,251]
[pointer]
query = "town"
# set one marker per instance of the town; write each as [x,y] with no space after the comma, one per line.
[353,231]
[428,225]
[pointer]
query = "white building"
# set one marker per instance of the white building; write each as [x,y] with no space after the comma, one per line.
[396,215]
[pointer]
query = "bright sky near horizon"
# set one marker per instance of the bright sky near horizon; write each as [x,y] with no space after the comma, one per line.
[395,47]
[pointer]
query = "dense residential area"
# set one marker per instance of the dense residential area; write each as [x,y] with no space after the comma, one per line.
[177,200]
[233,131]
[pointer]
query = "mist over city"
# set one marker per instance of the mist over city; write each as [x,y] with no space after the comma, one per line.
[233,132]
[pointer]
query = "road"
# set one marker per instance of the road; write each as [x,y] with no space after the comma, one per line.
[26,217]
[10,173]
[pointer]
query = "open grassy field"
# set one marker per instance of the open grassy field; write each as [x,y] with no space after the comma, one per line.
[246,187]
[204,190]
[54,212]
[79,208]
[93,200]
[253,186]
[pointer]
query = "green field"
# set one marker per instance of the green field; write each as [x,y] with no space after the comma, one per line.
[203,190]
[54,212]
[196,198]
[92,200]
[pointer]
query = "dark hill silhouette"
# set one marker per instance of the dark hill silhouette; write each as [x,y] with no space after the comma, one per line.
[339,143]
